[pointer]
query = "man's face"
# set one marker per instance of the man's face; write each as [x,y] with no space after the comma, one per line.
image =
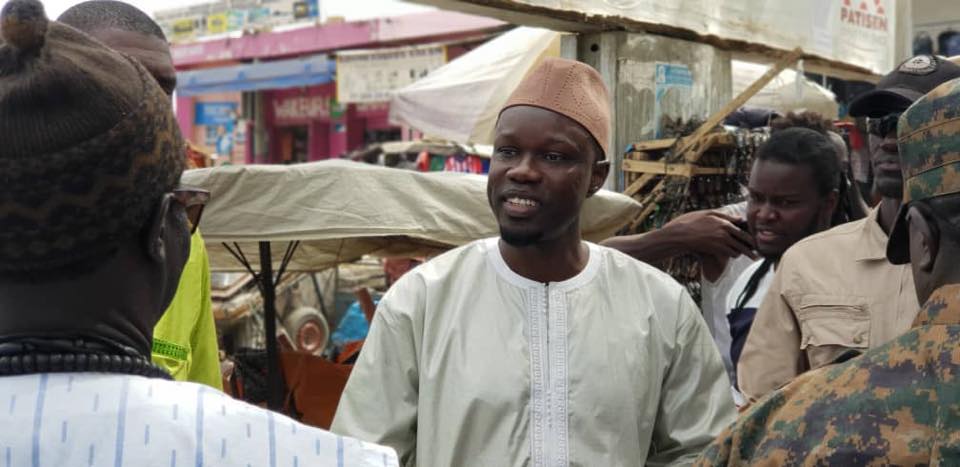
[885,157]
[784,206]
[542,171]
[151,52]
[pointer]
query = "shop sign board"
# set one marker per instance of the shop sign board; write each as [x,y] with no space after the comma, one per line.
[184,28]
[215,113]
[217,23]
[294,109]
[367,76]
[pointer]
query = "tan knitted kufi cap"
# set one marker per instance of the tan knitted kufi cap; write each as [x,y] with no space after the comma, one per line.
[569,88]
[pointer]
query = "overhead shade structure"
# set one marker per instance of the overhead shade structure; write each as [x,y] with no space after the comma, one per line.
[339,211]
[280,74]
[323,213]
[789,91]
[460,101]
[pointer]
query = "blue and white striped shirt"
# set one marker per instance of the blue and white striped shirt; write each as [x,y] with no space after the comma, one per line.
[95,419]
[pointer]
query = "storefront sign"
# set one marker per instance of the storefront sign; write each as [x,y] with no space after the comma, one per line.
[306,9]
[300,108]
[217,23]
[184,28]
[372,75]
[215,113]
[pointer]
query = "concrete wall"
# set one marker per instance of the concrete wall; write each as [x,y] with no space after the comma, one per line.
[628,63]
[933,17]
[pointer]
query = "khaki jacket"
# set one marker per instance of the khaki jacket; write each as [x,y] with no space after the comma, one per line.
[832,292]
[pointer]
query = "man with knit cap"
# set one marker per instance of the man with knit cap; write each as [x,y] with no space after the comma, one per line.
[537,348]
[185,338]
[94,234]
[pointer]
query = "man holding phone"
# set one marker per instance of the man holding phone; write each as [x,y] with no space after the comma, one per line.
[739,244]
[836,292]
[793,193]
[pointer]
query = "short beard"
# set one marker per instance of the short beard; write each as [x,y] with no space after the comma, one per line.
[520,240]
[889,190]
[813,228]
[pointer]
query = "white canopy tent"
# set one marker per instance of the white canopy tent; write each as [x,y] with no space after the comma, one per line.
[460,101]
[789,91]
[338,211]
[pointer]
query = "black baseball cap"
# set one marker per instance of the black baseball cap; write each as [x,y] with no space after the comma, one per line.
[904,85]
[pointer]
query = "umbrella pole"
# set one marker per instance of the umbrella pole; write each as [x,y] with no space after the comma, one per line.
[268,287]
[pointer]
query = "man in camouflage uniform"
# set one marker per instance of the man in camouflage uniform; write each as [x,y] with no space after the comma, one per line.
[897,404]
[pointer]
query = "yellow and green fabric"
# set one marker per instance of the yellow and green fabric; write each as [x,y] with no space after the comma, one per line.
[185,338]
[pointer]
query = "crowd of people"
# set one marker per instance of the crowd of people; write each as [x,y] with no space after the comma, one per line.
[831,325]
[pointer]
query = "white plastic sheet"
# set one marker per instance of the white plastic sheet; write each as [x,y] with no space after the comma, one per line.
[789,91]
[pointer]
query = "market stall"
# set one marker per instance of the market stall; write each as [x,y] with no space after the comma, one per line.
[270,220]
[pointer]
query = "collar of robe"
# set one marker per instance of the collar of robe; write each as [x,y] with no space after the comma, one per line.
[30,355]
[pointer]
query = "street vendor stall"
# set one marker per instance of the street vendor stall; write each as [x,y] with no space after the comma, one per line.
[270,220]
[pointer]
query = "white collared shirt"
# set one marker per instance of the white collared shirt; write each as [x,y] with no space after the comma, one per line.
[96,419]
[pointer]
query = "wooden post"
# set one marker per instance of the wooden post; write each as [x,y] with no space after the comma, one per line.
[693,146]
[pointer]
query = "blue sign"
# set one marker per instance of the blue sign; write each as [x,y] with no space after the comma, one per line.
[673,85]
[215,113]
[669,74]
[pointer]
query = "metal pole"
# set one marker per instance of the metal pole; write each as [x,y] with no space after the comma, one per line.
[274,378]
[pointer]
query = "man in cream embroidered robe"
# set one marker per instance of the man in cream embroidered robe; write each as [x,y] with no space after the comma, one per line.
[471,364]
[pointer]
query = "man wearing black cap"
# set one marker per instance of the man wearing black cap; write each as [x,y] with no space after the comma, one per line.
[835,292]
[896,404]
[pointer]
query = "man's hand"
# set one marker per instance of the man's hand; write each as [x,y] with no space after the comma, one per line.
[710,233]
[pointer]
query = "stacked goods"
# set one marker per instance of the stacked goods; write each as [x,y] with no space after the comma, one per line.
[702,167]
[668,186]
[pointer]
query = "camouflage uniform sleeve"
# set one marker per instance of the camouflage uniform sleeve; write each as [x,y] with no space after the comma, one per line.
[889,406]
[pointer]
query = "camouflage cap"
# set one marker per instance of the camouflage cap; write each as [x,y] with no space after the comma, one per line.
[928,136]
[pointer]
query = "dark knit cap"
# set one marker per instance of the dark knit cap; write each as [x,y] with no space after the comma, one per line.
[88,144]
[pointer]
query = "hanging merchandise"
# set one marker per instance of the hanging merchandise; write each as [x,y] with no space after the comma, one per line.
[464,164]
[669,186]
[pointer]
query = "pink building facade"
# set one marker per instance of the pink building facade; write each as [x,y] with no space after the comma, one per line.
[297,123]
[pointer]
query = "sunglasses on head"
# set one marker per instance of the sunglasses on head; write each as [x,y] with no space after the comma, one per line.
[883,126]
[193,201]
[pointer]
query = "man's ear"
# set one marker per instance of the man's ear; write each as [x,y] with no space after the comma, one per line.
[926,237]
[155,246]
[597,176]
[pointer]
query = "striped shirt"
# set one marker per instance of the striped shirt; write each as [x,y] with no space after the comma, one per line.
[95,419]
